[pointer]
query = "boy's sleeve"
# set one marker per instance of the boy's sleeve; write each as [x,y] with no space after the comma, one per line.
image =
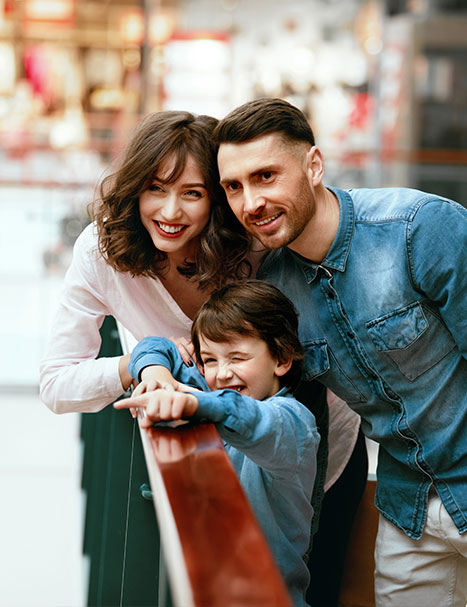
[162,351]
[276,433]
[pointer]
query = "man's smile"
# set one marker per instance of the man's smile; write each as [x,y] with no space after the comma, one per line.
[267,220]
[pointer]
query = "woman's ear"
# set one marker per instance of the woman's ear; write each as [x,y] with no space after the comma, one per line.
[315,166]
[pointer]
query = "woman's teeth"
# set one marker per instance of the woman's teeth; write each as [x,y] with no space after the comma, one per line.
[170,229]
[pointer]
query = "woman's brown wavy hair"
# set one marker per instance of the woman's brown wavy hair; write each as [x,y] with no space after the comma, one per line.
[123,240]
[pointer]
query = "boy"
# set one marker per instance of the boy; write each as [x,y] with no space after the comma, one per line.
[245,339]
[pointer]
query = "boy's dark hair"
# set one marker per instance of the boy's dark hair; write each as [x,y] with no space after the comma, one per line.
[254,308]
[263,117]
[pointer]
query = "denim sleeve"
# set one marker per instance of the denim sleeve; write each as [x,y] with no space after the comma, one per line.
[437,251]
[278,434]
[162,351]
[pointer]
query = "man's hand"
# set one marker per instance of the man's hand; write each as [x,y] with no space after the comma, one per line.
[161,405]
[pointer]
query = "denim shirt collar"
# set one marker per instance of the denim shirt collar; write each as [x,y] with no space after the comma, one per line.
[336,258]
[285,391]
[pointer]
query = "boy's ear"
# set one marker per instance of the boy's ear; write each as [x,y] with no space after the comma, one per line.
[283,366]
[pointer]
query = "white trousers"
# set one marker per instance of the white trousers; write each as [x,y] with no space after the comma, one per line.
[430,572]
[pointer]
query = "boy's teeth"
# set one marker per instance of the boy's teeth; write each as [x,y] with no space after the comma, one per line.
[268,220]
[170,229]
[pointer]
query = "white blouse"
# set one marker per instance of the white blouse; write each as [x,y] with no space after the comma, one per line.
[70,377]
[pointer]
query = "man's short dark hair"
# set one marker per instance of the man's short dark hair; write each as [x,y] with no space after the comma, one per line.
[263,117]
[253,308]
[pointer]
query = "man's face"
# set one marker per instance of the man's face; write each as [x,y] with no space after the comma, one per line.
[267,186]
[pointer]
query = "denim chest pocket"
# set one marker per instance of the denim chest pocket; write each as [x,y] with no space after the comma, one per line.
[413,337]
[321,364]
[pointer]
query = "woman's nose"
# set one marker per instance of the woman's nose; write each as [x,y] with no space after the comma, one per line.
[171,209]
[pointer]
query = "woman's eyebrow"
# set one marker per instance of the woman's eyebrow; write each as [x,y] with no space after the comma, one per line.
[194,185]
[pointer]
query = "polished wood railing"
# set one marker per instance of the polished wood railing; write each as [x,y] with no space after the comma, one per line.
[214,550]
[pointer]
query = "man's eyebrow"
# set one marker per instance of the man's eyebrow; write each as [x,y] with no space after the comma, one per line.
[227,180]
[262,169]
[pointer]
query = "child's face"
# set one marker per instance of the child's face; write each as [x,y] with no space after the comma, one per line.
[244,363]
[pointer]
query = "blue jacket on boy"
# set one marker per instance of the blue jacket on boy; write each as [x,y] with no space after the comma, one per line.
[272,445]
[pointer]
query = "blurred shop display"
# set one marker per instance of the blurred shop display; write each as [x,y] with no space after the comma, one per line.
[423,103]
[57,258]
[198,73]
[38,224]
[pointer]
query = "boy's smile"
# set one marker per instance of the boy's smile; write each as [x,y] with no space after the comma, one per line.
[244,364]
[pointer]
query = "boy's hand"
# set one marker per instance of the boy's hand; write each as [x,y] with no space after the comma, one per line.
[161,405]
[149,386]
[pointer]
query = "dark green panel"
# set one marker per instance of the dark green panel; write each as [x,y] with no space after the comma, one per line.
[121,538]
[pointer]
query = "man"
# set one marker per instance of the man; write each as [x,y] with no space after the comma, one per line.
[379,278]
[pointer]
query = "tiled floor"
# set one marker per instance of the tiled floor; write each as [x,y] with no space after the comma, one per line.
[40,505]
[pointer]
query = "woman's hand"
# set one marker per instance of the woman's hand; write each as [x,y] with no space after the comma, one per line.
[161,405]
[185,349]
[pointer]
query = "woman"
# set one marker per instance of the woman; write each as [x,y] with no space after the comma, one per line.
[162,238]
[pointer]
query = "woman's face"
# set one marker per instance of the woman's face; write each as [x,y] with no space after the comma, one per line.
[176,213]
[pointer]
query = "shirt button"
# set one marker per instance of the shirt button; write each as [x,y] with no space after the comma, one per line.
[350,334]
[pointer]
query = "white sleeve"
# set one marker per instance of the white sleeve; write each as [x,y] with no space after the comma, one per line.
[70,377]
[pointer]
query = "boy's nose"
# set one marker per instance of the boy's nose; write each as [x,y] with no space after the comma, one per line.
[223,371]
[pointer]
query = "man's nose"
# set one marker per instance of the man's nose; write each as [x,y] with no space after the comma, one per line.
[253,201]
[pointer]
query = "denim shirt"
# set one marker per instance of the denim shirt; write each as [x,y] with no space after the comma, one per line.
[383,319]
[272,445]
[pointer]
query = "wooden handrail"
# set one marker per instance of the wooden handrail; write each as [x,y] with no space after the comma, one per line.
[215,552]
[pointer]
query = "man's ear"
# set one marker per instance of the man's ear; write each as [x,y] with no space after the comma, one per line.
[315,166]
[283,366]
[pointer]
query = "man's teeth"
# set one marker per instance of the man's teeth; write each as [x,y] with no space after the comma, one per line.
[268,220]
[170,229]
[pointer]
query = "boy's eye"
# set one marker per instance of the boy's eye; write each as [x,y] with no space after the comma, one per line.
[208,361]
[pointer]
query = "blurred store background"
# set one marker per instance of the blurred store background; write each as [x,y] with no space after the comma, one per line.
[383,82]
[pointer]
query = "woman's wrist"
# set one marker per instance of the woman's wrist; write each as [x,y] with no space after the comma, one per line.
[125,377]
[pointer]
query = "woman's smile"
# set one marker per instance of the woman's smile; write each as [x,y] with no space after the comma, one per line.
[170,230]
